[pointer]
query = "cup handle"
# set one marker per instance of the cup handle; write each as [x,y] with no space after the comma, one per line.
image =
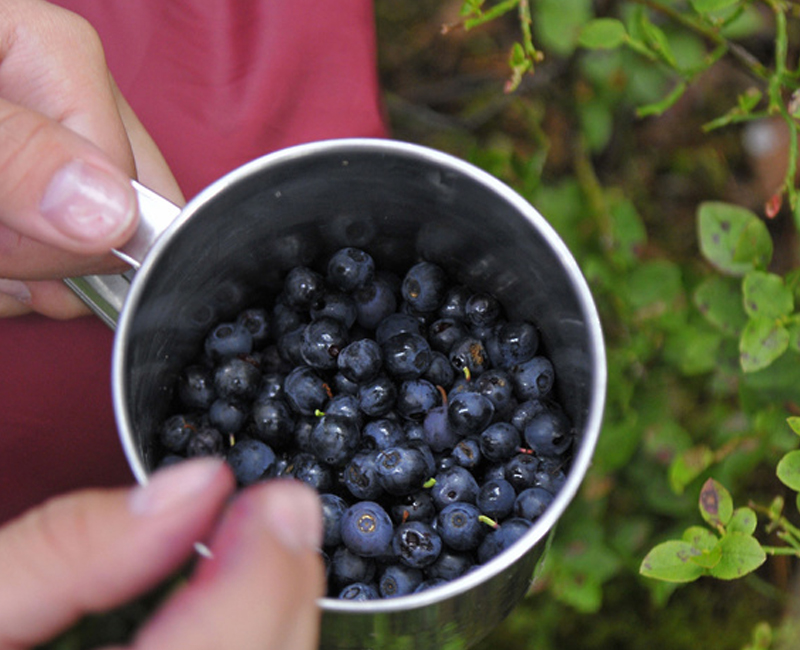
[105,294]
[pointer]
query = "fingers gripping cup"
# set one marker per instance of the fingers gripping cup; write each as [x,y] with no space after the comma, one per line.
[401,203]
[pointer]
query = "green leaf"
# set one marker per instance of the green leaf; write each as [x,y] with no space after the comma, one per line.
[672,562]
[602,34]
[704,6]
[704,541]
[743,520]
[688,466]
[719,299]
[657,40]
[763,340]
[766,295]
[741,554]
[732,238]
[716,504]
[794,424]
[700,538]
[788,470]
[560,22]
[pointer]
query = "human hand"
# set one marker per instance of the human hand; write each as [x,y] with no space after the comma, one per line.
[69,145]
[91,551]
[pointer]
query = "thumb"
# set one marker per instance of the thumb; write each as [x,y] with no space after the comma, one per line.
[58,188]
[94,550]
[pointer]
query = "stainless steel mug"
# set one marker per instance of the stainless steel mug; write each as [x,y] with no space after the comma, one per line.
[401,202]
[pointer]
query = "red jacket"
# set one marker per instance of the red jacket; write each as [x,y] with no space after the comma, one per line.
[216,83]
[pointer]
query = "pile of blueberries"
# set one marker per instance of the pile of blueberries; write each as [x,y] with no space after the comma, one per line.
[422,415]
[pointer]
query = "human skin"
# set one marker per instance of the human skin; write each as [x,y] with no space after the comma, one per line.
[69,145]
[94,550]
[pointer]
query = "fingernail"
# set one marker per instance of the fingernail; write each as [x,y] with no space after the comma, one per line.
[15,289]
[293,515]
[173,486]
[87,203]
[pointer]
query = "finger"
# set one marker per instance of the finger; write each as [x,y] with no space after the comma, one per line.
[260,588]
[51,298]
[97,549]
[65,159]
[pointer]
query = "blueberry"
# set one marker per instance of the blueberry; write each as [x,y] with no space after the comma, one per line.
[531,503]
[257,321]
[347,567]
[398,323]
[437,430]
[302,288]
[468,355]
[512,343]
[307,468]
[424,286]
[367,529]
[237,378]
[525,411]
[417,506]
[401,470]
[360,477]
[496,385]
[377,396]
[406,356]
[444,333]
[350,268]
[415,398]
[450,565]
[273,422]
[454,303]
[228,339]
[452,485]
[496,498]
[227,416]
[497,541]
[271,386]
[533,379]
[430,584]
[359,591]
[323,339]
[382,433]
[374,302]
[460,527]
[333,507]
[176,431]
[440,372]
[305,390]
[467,453]
[251,460]
[345,406]
[284,319]
[206,441]
[334,440]
[195,387]
[470,413]
[521,471]
[500,441]
[336,305]
[549,433]
[360,360]
[399,580]
[482,309]
[416,544]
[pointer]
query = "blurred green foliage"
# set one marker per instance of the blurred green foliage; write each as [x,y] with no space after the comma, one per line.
[623,122]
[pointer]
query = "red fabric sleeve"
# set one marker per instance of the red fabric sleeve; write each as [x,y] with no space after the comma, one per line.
[216,83]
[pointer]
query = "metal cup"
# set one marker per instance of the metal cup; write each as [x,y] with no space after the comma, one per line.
[233,243]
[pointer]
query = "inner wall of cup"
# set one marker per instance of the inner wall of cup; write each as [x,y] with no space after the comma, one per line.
[237,245]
